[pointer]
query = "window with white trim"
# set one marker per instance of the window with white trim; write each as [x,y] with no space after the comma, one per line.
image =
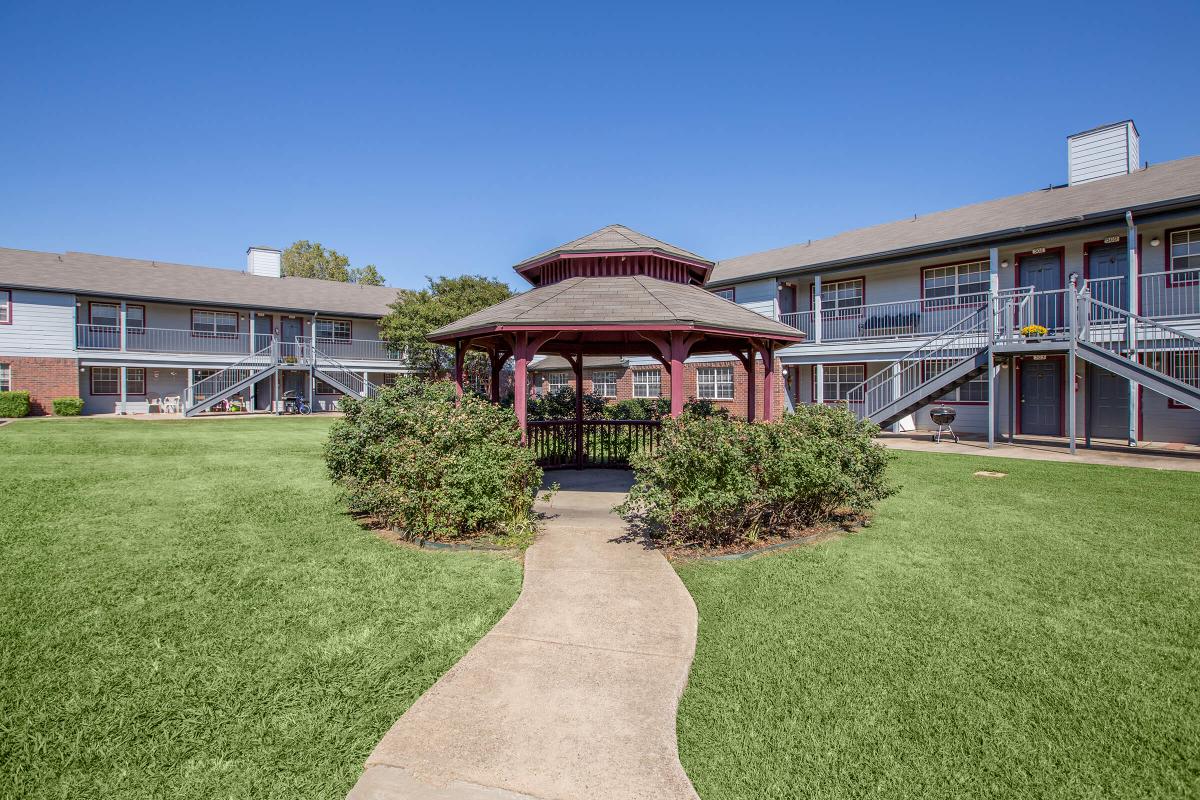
[324,388]
[214,323]
[973,391]
[5,378]
[198,376]
[647,383]
[5,306]
[956,284]
[727,294]
[1182,366]
[135,319]
[714,383]
[334,330]
[839,379]
[107,380]
[843,298]
[604,382]
[1185,253]
[557,381]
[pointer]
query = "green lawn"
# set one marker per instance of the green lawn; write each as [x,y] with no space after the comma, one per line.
[186,612]
[1032,636]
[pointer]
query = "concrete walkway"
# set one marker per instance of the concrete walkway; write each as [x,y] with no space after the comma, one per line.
[573,694]
[1181,457]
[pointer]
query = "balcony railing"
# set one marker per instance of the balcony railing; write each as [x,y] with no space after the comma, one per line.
[168,340]
[905,319]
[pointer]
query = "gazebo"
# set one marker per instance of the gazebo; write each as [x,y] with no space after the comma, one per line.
[616,292]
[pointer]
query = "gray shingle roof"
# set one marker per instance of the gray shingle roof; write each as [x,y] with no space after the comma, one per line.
[558,363]
[1171,181]
[85,273]
[629,300]
[614,239]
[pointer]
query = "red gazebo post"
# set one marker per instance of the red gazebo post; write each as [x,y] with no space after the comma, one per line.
[768,356]
[460,354]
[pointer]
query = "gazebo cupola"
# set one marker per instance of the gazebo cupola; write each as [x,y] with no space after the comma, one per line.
[617,292]
[615,251]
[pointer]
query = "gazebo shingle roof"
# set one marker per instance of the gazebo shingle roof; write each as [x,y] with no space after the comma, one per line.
[614,239]
[621,301]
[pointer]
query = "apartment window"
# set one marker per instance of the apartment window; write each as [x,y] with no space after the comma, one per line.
[714,383]
[5,378]
[214,323]
[107,315]
[1182,367]
[135,319]
[974,391]
[604,383]
[107,381]
[727,294]
[1184,256]
[955,284]
[647,383]
[334,330]
[839,379]
[557,381]
[5,307]
[325,388]
[843,298]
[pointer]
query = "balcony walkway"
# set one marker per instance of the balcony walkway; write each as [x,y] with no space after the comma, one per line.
[573,694]
[1107,452]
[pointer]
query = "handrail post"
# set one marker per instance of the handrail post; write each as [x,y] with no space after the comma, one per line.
[817,332]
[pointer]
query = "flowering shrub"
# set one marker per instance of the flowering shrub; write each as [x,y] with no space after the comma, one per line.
[1034,330]
[716,480]
[416,461]
[560,404]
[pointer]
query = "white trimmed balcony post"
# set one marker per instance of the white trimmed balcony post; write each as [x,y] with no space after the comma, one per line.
[817,308]
[1131,235]
[124,313]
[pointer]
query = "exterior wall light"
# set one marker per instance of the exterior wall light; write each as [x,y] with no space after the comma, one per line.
[1154,241]
[1004,264]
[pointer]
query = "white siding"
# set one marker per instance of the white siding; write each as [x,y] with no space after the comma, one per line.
[1102,153]
[758,296]
[43,324]
[264,262]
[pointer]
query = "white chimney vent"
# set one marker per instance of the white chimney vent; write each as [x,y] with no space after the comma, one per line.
[266,262]
[1102,152]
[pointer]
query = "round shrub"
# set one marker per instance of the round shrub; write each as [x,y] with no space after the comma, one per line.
[67,406]
[417,461]
[716,480]
[14,404]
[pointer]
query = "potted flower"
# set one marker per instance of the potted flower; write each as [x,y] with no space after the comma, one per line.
[1034,333]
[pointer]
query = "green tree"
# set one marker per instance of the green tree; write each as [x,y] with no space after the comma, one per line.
[415,314]
[305,259]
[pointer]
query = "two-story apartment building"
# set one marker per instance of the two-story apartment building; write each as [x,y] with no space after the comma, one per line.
[1121,234]
[132,336]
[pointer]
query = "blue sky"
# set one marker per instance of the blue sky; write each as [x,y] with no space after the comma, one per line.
[444,138]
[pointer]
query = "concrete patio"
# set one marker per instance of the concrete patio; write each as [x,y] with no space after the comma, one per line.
[572,696]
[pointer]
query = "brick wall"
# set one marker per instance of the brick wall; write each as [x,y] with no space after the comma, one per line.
[44,378]
[735,406]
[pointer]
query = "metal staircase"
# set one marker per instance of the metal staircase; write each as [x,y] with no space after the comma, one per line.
[338,375]
[1139,349]
[948,360]
[1156,356]
[206,392]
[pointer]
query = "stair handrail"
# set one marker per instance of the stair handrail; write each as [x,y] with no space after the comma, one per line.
[368,388]
[972,326]
[254,362]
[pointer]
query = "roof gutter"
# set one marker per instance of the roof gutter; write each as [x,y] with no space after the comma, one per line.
[1161,211]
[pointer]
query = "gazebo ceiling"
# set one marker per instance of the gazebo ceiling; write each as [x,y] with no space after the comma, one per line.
[606,315]
[615,250]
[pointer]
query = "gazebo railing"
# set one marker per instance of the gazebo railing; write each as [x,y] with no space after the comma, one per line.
[606,442]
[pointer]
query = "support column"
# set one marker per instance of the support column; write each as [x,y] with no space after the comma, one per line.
[751,394]
[817,308]
[1012,398]
[124,370]
[1134,294]
[520,389]
[494,387]
[578,367]
[768,356]
[124,314]
[819,383]
[189,394]
[460,352]
[1073,322]
[677,359]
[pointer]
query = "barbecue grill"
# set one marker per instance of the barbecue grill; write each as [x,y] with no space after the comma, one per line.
[943,417]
